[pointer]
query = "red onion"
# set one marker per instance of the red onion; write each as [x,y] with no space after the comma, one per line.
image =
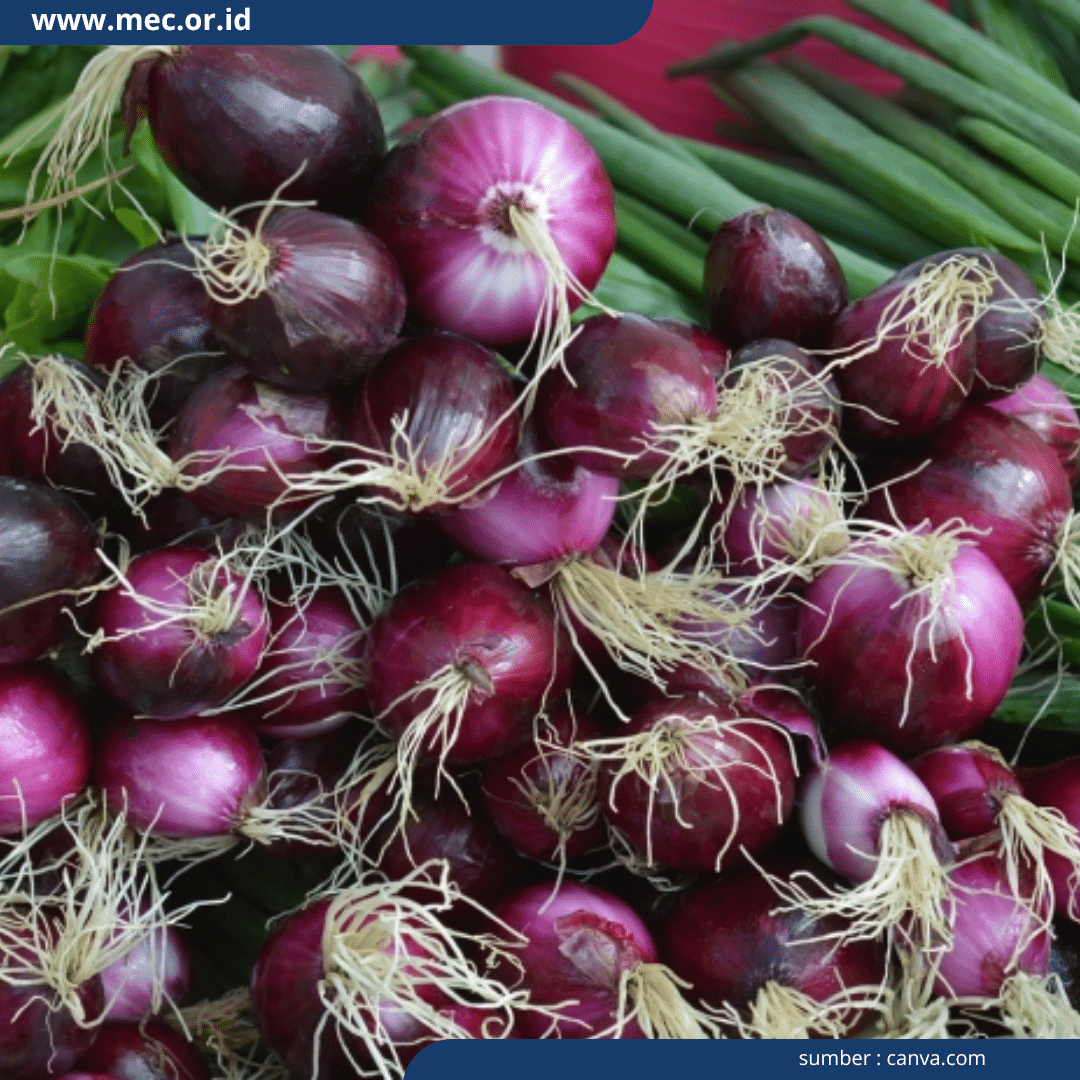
[433,421]
[186,779]
[153,311]
[241,444]
[179,634]
[158,968]
[589,957]
[996,474]
[462,662]
[303,299]
[695,785]
[715,354]
[543,795]
[367,979]
[310,679]
[49,555]
[933,620]
[771,972]
[1047,410]
[1010,324]
[907,350]
[867,816]
[44,747]
[501,217]
[151,1050]
[1057,787]
[770,275]
[568,508]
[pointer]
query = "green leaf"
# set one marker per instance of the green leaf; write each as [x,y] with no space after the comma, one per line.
[34,77]
[190,215]
[625,286]
[144,233]
[1035,691]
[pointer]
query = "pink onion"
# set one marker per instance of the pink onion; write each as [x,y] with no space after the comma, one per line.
[149,1051]
[494,210]
[159,964]
[181,633]
[1047,410]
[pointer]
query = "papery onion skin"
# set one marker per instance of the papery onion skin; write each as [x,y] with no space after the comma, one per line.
[153,310]
[176,670]
[456,407]
[858,619]
[440,202]
[770,275]
[267,434]
[187,779]
[579,940]
[235,123]
[48,550]
[569,509]
[621,377]
[150,1051]
[967,784]
[843,801]
[727,938]
[994,473]
[333,304]
[1058,785]
[1047,410]
[733,796]
[45,750]
[476,618]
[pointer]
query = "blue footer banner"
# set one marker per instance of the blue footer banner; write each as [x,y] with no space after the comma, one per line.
[977,1059]
[282,22]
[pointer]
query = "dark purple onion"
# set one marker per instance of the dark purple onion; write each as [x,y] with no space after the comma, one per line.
[149,1051]
[1047,410]
[770,275]
[44,747]
[484,625]
[48,549]
[568,508]
[181,778]
[172,518]
[332,304]
[858,619]
[153,312]
[320,643]
[269,435]
[729,938]
[715,354]
[235,123]
[1007,334]
[622,376]
[999,477]
[726,787]
[1058,786]
[162,658]
[454,404]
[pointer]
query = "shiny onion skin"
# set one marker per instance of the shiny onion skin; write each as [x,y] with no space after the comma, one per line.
[234,123]
[922,649]
[128,984]
[569,509]
[158,657]
[333,303]
[150,1051]
[45,750]
[1046,409]
[454,403]
[997,475]
[486,626]
[264,431]
[621,377]
[1008,332]
[579,940]
[727,938]
[153,310]
[715,354]
[725,794]
[48,549]
[770,275]
[188,779]
[1058,785]
[309,679]
[441,201]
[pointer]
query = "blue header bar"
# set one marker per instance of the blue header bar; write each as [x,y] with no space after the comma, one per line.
[281,22]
